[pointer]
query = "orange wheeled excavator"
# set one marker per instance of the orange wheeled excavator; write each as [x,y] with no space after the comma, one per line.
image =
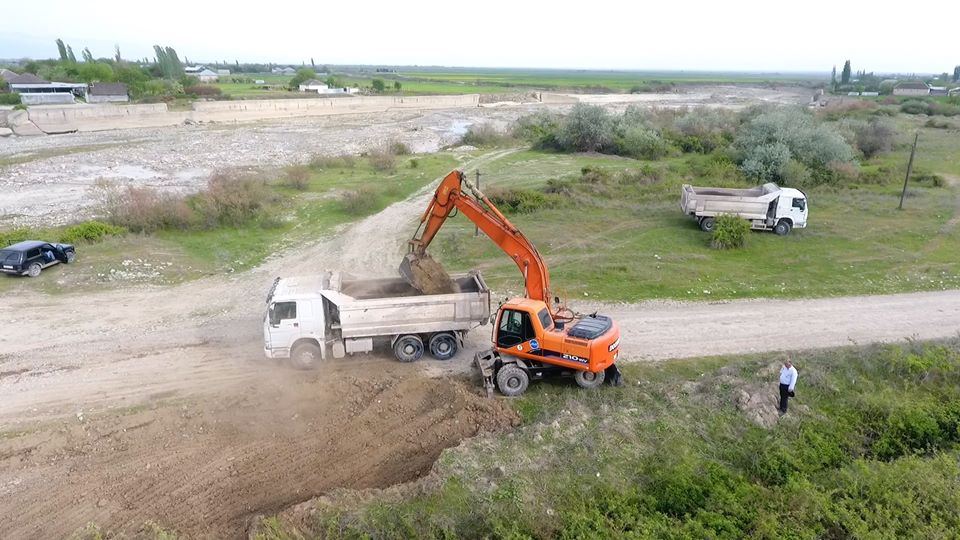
[532,337]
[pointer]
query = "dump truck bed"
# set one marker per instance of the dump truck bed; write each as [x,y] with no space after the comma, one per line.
[388,307]
[752,203]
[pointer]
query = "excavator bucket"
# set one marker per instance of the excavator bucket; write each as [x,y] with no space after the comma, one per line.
[426,275]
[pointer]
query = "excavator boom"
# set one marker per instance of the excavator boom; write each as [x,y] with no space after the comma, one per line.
[425,274]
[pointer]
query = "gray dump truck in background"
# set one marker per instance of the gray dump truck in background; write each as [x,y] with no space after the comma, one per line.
[312,318]
[767,207]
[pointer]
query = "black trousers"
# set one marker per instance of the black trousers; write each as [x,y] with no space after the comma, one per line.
[784,396]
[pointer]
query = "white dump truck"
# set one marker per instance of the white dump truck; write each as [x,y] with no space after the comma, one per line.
[316,317]
[766,207]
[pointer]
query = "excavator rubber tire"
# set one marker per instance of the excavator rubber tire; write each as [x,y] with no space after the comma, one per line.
[588,379]
[512,380]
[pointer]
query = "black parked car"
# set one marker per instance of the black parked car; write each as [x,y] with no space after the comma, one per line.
[30,257]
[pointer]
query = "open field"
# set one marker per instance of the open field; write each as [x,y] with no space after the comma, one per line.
[142,405]
[628,243]
[472,80]
[503,81]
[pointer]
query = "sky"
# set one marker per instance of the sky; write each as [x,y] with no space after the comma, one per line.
[690,35]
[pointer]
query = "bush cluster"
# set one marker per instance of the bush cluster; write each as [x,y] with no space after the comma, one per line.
[227,200]
[297,177]
[929,107]
[89,232]
[382,161]
[11,98]
[729,232]
[770,140]
[359,201]
[202,90]
[519,200]
[319,162]
[485,135]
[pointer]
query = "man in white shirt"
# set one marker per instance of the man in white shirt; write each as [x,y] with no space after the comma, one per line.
[788,381]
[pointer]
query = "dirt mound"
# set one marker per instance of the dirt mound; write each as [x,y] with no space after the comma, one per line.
[203,468]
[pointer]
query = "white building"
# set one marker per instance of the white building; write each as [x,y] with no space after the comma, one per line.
[108,93]
[207,76]
[314,85]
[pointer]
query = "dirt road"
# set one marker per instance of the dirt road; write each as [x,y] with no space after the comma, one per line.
[156,404]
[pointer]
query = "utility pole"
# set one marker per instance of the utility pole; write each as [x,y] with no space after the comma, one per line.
[909,168]
[476,228]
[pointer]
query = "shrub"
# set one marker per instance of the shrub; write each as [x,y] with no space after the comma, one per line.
[398,148]
[795,174]
[142,209]
[915,106]
[588,128]
[485,135]
[12,98]
[638,142]
[15,235]
[382,161]
[413,163]
[230,200]
[841,172]
[318,162]
[89,231]
[521,201]
[729,232]
[541,129]
[875,136]
[704,130]
[771,139]
[297,177]
[202,90]
[359,201]
[766,161]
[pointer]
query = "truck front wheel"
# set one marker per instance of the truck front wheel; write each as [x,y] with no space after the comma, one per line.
[408,348]
[512,380]
[305,356]
[443,346]
[782,228]
[706,224]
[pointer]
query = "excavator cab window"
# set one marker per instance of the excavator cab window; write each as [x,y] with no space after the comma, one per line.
[514,329]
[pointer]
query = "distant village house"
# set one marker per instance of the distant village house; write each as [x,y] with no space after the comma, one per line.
[35,91]
[911,88]
[108,93]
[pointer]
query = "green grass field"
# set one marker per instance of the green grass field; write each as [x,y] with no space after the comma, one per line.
[494,81]
[631,243]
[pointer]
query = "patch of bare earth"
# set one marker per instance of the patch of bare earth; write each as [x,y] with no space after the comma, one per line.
[205,467]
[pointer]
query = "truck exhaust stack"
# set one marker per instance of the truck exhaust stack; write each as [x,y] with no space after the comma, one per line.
[425,274]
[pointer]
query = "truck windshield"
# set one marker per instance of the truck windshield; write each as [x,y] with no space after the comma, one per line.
[800,203]
[8,256]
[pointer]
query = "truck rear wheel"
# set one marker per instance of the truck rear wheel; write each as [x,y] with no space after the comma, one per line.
[706,224]
[782,228]
[588,379]
[443,346]
[408,348]
[512,380]
[305,356]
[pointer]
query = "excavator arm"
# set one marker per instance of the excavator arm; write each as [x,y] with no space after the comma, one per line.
[450,195]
